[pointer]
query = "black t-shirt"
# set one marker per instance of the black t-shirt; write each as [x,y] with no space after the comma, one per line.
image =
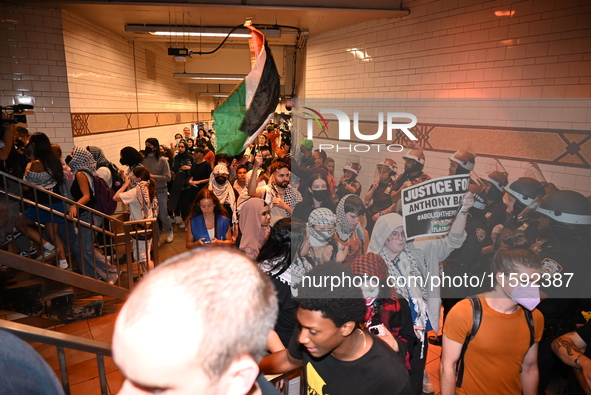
[380,371]
[200,171]
[286,319]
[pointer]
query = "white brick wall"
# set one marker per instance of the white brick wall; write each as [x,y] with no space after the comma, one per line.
[530,70]
[68,64]
[32,63]
[437,165]
[108,74]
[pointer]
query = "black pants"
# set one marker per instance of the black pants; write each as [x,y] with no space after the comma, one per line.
[417,366]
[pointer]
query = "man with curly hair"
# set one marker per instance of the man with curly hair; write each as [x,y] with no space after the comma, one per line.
[336,356]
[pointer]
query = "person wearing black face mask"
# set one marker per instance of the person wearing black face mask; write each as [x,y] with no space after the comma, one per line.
[160,171]
[129,157]
[316,195]
[218,183]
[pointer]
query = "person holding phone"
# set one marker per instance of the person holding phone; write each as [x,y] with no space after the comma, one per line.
[209,223]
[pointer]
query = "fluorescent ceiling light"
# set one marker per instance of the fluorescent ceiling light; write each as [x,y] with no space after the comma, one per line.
[198,34]
[214,94]
[205,76]
[198,31]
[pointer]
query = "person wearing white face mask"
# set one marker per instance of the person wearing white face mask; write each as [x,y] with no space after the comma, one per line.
[502,354]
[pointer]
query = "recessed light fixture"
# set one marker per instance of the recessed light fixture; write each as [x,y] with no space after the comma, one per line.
[505,13]
[360,54]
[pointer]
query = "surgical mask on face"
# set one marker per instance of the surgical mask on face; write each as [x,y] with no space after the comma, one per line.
[220,180]
[177,141]
[528,296]
[320,194]
[148,150]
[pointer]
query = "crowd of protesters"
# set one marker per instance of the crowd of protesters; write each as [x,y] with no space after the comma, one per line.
[322,217]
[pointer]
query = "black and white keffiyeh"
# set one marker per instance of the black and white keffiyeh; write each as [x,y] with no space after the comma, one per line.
[82,160]
[320,216]
[344,230]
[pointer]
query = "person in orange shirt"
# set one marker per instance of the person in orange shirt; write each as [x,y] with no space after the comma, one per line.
[501,358]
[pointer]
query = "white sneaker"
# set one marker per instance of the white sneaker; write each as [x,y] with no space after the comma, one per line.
[182,225]
[169,236]
[427,385]
[178,220]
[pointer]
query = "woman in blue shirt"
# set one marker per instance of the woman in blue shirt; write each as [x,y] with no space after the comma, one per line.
[209,223]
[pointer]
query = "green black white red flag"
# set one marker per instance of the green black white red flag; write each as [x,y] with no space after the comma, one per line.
[246,111]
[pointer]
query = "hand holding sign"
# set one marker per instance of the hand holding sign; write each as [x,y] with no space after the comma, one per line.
[468,201]
[429,208]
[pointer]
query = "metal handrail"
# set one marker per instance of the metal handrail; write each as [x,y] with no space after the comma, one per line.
[115,230]
[62,341]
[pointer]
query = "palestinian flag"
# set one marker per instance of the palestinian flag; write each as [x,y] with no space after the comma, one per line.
[246,111]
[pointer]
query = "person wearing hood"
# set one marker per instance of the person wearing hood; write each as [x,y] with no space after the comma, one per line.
[321,229]
[255,220]
[103,167]
[350,234]
[221,186]
[417,259]
[83,166]
[501,357]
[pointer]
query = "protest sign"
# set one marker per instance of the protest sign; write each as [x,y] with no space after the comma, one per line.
[430,207]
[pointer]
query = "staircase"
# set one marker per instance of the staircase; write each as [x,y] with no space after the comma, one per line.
[36,296]
[40,289]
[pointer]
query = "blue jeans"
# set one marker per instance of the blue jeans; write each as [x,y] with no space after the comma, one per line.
[82,248]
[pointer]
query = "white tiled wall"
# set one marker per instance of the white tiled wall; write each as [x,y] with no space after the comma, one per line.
[108,74]
[70,65]
[111,143]
[531,69]
[32,63]
[437,165]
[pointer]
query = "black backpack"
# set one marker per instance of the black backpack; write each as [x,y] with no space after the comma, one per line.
[476,319]
[116,179]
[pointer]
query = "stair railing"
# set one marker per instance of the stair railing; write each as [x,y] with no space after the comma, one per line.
[92,243]
[62,342]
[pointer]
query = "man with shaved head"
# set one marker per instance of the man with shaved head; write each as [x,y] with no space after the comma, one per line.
[198,324]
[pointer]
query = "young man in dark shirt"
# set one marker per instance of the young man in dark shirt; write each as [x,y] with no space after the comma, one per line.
[337,357]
